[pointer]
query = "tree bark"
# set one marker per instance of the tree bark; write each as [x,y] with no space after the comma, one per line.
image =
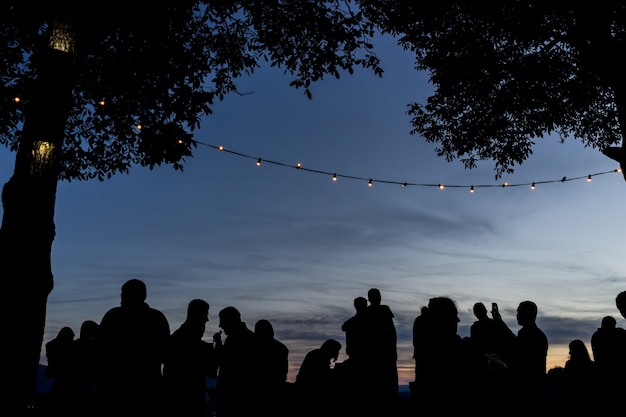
[28,229]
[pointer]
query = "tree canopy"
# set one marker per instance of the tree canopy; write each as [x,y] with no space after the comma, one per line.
[161,65]
[507,74]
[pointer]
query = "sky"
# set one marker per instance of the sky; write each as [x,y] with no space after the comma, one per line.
[294,247]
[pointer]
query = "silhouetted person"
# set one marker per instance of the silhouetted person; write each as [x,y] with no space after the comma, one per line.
[488,336]
[382,352]
[237,378]
[442,358]
[488,341]
[357,331]
[557,392]
[529,355]
[131,340]
[85,368]
[607,347]
[272,366]
[580,387]
[316,383]
[60,353]
[419,339]
[188,362]
[355,371]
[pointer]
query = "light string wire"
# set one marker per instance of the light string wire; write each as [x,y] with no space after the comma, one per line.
[371,181]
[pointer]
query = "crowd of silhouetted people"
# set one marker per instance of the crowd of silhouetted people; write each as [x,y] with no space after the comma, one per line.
[131,364]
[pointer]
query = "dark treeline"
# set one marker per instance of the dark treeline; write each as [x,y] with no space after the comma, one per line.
[130,363]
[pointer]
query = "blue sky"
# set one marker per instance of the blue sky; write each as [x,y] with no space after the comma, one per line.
[294,247]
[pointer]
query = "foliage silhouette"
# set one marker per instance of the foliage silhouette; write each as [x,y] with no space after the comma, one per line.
[506,75]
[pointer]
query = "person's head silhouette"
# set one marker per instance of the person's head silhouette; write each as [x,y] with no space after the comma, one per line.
[88,329]
[374,296]
[134,292]
[360,304]
[526,313]
[230,319]
[264,328]
[608,322]
[198,311]
[66,333]
[331,348]
[443,315]
[578,351]
[480,311]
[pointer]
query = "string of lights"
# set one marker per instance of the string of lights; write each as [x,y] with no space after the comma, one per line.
[371,181]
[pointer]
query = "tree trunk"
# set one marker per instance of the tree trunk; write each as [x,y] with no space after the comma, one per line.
[28,230]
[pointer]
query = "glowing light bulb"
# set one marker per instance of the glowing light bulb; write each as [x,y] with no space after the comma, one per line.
[441,186]
[589,178]
[532,186]
[369,184]
[258,162]
[221,148]
[334,177]
[472,189]
[298,165]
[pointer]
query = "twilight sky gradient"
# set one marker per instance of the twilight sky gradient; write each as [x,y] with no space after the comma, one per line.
[295,248]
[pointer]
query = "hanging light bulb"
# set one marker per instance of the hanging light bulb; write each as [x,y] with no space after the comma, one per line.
[589,178]
[472,189]
[532,186]
[334,177]
[258,162]
[369,184]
